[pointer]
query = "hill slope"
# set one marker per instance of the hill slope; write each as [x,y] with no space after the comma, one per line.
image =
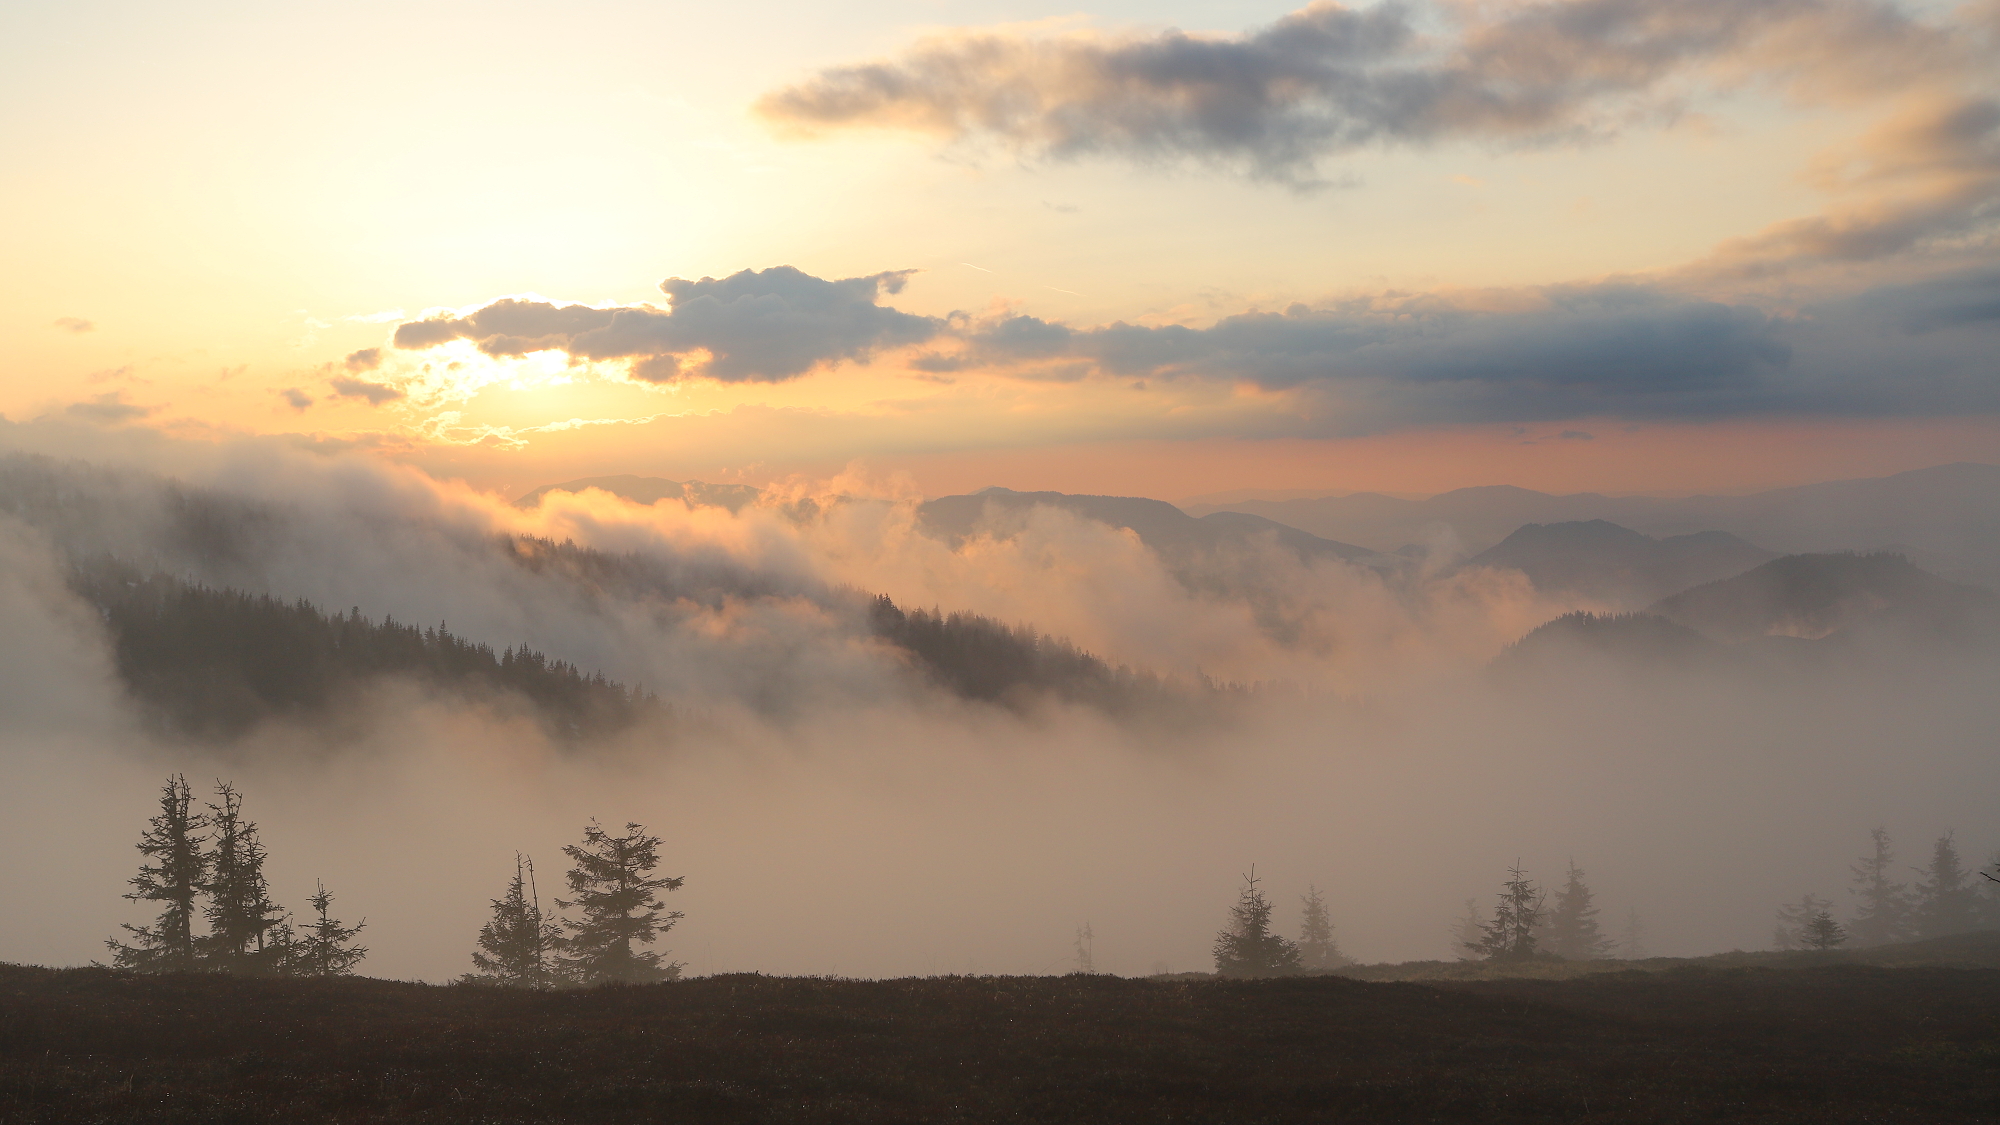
[1816,596]
[1161,526]
[1599,559]
[1946,517]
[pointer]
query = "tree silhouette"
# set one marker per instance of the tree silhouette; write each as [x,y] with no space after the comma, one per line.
[1944,902]
[1510,936]
[1573,931]
[1882,907]
[621,908]
[1794,920]
[517,947]
[241,915]
[1632,942]
[1248,948]
[326,948]
[1821,932]
[1318,951]
[172,842]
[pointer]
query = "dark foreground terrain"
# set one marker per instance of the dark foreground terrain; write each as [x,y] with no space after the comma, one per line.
[1833,1043]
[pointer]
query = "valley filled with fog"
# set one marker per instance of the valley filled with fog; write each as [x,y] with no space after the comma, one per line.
[883,735]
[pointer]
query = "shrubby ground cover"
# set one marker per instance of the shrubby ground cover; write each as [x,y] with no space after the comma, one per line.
[1830,1043]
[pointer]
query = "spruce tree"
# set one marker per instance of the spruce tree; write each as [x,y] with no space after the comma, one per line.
[241,916]
[1318,952]
[1794,920]
[172,842]
[1632,942]
[1466,932]
[621,908]
[1086,950]
[1821,932]
[1882,905]
[1510,936]
[1986,905]
[1248,948]
[1572,926]
[517,947]
[326,948]
[1944,903]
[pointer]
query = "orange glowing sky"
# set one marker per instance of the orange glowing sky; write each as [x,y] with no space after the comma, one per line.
[1738,246]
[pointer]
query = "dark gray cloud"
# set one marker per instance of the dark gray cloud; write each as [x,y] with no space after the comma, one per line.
[753,326]
[1968,299]
[295,398]
[367,359]
[347,386]
[1322,80]
[1571,352]
[74,324]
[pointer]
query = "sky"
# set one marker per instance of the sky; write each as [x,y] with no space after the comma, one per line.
[1168,249]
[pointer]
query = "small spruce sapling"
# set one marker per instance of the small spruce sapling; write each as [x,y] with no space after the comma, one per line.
[326,948]
[1318,951]
[1821,932]
[621,908]
[1794,918]
[1086,949]
[1248,948]
[172,843]
[1572,925]
[1510,936]
[1632,942]
[1882,905]
[517,947]
[1944,899]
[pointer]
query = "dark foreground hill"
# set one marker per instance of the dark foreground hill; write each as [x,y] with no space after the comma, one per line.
[1814,1045]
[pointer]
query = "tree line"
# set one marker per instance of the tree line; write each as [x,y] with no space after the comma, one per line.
[616,897]
[1249,947]
[205,868]
[210,864]
[216,662]
[1947,897]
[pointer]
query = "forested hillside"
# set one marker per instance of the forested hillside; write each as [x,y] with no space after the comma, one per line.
[214,663]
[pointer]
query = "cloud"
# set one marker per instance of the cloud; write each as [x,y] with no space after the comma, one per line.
[295,398]
[1328,79]
[1577,351]
[108,409]
[367,359]
[1963,300]
[375,393]
[1607,350]
[74,324]
[753,326]
[1931,172]
[1577,435]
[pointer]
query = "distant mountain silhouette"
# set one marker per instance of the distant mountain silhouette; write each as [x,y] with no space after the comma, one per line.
[1947,518]
[1599,559]
[1161,526]
[1818,596]
[649,490]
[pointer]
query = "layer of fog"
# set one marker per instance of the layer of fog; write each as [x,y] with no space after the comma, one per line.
[873,826]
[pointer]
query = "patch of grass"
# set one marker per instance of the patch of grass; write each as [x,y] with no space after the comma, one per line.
[1818,1044]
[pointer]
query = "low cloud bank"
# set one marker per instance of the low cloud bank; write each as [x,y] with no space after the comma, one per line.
[921,833]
